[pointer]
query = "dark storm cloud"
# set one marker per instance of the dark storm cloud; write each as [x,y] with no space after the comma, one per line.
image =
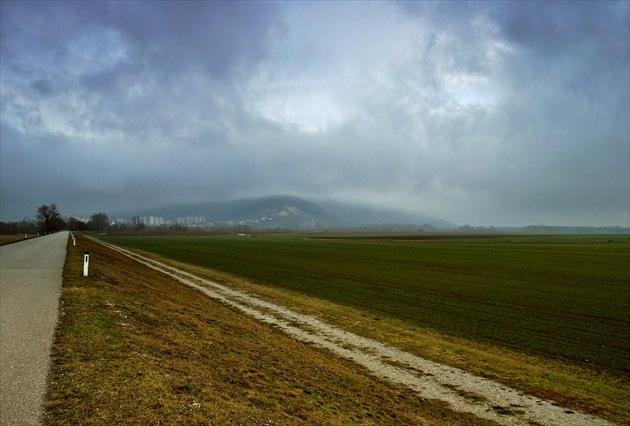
[556,28]
[165,36]
[479,112]
[569,105]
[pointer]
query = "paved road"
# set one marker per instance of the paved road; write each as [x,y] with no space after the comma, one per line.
[30,285]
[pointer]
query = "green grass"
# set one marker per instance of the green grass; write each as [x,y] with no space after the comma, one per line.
[561,297]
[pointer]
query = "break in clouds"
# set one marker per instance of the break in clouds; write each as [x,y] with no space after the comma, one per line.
[504,113]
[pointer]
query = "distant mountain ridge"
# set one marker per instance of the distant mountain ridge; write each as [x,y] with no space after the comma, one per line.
[288,212]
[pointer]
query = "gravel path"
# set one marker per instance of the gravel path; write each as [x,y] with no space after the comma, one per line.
[430,380]
[30,284]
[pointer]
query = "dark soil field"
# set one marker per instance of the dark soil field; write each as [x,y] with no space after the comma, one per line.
[8,239]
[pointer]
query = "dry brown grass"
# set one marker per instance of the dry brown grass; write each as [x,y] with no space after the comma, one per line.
[8,239]
[134,347]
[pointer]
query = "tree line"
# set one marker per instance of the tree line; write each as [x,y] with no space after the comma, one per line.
[49,220]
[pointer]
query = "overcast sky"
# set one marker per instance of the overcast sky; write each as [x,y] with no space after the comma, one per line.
[482,113]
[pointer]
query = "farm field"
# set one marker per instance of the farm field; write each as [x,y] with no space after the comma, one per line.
[564,298]
[136,347]
[8,239]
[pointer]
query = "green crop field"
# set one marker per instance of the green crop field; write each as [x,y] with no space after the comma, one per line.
[565,297]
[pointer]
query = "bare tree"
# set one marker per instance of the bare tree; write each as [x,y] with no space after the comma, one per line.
[49,219]
[75,224]
[98,222]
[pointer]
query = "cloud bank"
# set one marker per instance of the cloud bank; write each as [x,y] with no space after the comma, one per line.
[509,113]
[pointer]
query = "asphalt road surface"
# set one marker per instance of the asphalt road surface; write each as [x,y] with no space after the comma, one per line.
[30,286]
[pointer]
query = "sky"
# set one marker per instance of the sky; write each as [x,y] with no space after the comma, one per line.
[481,113]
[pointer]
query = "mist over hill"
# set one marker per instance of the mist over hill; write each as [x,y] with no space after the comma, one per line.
[353,215]
[287,212]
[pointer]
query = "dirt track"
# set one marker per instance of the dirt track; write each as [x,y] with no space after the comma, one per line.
[461,390]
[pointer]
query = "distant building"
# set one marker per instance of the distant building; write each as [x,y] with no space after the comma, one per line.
[191,221]
[117,221]
[149,221]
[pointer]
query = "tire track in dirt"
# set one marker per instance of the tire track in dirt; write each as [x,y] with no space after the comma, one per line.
[463,391]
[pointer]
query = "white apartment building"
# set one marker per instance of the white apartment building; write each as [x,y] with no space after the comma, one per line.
[191,220]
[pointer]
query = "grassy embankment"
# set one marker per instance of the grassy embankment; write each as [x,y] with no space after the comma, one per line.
[134,347]
[547,315]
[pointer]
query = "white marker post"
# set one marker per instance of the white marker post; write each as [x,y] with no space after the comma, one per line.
[86,263]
